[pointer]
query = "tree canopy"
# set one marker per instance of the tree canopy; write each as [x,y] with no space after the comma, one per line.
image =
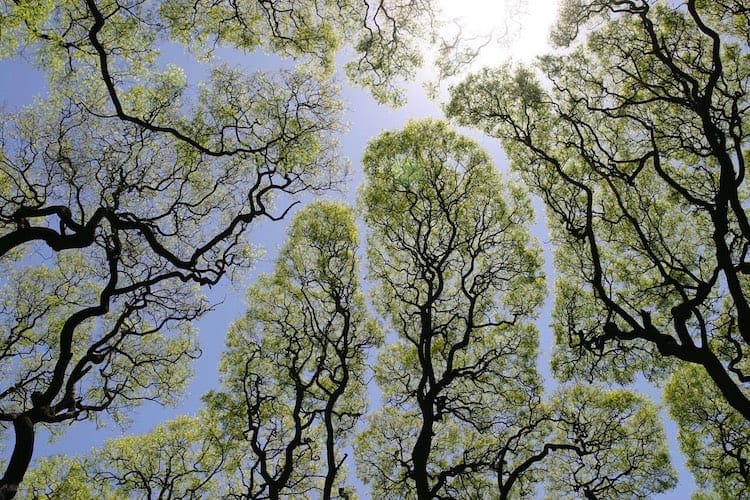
[459,281]
[129,187]
[293,372]
[125,187]
[463,411]
[181,458]
[635,137]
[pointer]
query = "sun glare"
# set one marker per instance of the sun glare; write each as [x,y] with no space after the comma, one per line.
[518,28]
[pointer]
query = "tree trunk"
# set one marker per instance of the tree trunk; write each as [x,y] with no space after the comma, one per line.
[421,454]
[21,457]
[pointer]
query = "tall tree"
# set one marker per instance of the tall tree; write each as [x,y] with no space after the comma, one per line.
[293,372]
[636,140]
[714,437]
[293,379]
[125,189]
[180,459]
[459,281]
[108,227]
[638,149]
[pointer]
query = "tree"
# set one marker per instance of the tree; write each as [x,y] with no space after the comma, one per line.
[293,372]
[714,437]
[125,189]
[293,389]
[636,141]
[459,279]
[605,443]
[181,458]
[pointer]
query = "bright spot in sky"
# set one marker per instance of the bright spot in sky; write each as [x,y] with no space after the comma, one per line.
[519,28]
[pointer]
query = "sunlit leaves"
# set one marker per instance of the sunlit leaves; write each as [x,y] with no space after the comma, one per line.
[458,277]
[181,458]
[635,139]
[62,477]
[715,438]
[432,200]
[619,445]
[294,368]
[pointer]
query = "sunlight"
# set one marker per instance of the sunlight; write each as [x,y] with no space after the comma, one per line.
[518,28]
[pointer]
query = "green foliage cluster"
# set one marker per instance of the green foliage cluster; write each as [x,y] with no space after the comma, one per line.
[635,137]
[458,279]
[714,437]
[178,459]
[127,189]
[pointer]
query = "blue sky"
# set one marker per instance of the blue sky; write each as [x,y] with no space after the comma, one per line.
[19,83]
